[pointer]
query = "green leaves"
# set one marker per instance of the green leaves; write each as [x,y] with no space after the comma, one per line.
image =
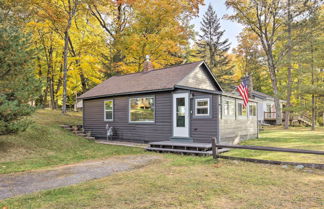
[18,86]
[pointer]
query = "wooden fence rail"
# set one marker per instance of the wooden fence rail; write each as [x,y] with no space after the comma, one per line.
[216,154]
[275,149]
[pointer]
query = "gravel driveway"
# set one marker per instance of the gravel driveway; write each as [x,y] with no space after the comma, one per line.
[33,181]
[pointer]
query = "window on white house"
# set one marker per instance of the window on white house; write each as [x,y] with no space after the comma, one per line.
[109,108]
[229,108]
[269,108]
[241,110]
[141,109]
[202,107]
[252,110]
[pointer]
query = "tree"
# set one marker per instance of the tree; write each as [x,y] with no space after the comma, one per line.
[212,47]
[264,18]
[135,29]
[71,10]
[18,85]
[295,11]
[289,49]
[311,59]
[249,60]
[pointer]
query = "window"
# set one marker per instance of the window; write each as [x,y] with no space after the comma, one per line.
[229,108]
[241,110]
[252,110]
[181,112]
[109,105]
[202,107]
[141,109]
[269,108]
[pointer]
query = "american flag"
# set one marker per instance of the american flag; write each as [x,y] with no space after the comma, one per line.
[243,90]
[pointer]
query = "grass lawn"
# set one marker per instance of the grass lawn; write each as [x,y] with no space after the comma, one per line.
[189,182]
[298,138]
[175,181]
[45,144]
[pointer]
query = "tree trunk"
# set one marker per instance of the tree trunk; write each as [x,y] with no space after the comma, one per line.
[76,102]
[78,64]
[65,54]
[272,69]
[52,92]
[71,12]
[288,105]
[313,81]
[51,77]
[40,100]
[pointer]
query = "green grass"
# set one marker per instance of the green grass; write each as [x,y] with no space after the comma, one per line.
[298,138]
[175,181]
[188,182]
[45,144]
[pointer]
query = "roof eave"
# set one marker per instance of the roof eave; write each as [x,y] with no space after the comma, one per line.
[198,89]
[126,93]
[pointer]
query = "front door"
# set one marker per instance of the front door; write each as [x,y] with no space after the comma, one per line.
[181,115]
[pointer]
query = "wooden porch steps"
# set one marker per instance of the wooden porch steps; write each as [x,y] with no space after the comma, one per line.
[179,151]
[190,148]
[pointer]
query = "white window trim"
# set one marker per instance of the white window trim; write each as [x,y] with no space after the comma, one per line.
[241,116]
[208,106]
[129,109]
[233,102]
[112,111]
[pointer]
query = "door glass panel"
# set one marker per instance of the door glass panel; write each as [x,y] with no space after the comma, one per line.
[181,112]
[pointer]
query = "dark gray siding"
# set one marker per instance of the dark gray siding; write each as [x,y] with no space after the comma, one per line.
[202,129]
[161,130]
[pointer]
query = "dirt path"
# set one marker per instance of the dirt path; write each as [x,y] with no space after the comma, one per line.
[28,182]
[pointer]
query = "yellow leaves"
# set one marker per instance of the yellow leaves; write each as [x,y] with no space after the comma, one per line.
[138,27]
[156,30]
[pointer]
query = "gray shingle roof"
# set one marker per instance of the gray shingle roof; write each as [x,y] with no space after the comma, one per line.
[155,80]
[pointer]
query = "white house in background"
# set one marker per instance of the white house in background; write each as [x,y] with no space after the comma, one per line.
[266,107]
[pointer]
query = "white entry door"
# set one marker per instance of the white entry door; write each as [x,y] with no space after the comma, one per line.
[181,115]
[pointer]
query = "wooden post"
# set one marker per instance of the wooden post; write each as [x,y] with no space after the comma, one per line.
[214,148]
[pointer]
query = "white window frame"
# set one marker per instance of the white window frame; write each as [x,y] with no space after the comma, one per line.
[256,110]
[197,107]
[129,110]
[112,110]
[230,101]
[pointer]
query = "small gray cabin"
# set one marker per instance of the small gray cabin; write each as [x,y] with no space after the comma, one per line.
[180,103]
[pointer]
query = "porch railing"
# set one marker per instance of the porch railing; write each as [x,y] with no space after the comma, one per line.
[272,115]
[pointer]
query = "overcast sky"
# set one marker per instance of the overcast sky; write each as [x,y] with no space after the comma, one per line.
[232,29]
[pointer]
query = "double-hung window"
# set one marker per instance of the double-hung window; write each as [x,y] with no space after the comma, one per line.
[252,110]
[229,108]
[109,109]
[202,107]
[241,110]
[142,109]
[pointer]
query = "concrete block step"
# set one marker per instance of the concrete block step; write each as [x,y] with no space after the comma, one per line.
[90,137]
